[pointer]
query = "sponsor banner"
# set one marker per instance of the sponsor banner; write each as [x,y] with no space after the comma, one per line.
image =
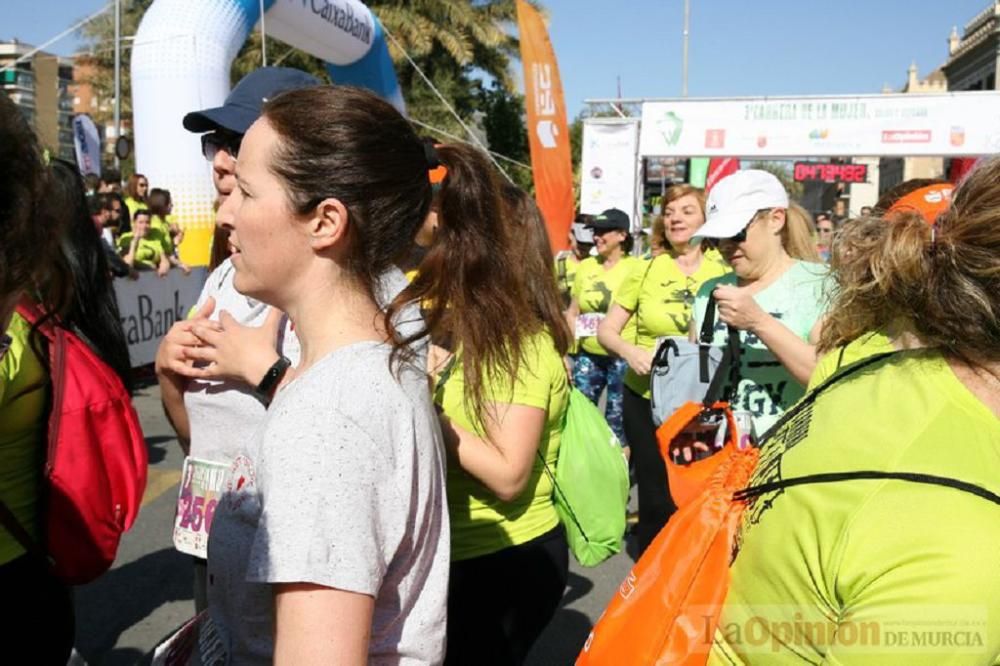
[548,133]
[150,305]
[952,124]
[827,172]
[87,143]
[609,166]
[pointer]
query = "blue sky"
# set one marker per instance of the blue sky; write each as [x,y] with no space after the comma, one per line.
[737,47]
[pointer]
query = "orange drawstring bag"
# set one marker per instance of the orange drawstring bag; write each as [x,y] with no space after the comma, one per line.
[667,610]
[686,480]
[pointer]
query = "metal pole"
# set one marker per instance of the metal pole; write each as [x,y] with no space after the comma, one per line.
[118,79]
[687,32]
[263,36]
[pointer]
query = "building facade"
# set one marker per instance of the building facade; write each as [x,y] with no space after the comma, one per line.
[39,86]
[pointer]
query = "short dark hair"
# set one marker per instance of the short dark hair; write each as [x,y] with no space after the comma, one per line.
[97,203]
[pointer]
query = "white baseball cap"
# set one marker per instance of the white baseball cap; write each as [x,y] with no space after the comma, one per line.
[582,233]
[735,199]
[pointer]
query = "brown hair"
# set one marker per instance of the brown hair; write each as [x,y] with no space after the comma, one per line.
[349,144]
[26,245]
[158,202]
[132,187]
[473,277]
[532,238]
[942,281]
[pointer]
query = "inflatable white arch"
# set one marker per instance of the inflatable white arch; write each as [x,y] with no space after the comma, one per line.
[181,59]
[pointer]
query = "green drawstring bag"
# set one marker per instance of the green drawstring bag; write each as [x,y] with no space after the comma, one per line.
[591,483]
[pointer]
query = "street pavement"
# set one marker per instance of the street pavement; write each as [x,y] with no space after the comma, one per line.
[148,593]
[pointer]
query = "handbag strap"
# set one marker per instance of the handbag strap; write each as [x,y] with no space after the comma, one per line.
[810,397]
[729,366]
[835,477]
[638,299]
[12,525]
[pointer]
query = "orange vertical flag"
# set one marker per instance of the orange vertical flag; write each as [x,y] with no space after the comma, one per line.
[548,134]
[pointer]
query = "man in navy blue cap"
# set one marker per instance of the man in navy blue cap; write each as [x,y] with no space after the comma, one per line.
[225,125]
[213,418]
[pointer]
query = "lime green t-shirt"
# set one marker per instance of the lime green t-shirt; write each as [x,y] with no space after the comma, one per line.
[661,295]
[797,299]
[147,252]
[878,571]
[565,266]
[594,288]
[23,398]
[162,228]
[866,345]
[480,522]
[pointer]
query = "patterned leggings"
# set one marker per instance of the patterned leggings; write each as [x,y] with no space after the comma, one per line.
[591,374]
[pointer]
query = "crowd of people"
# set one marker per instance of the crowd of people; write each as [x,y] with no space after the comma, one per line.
[382,358]
[135,224]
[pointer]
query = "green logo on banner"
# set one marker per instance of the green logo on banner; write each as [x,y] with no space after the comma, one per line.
[671,126]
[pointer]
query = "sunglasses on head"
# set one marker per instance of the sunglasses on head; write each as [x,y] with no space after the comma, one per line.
[213,142]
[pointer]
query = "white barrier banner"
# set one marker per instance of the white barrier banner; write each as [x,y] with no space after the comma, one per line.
[609,166]
[951,124]
[150,305]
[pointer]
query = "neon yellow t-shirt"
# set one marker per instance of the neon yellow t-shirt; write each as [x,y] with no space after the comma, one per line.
[662,297]
[23,398]
[566,265]
[162,228]
[134,205]
[480,522]
[147,252]
[867,345]
[861,571]
[594,288]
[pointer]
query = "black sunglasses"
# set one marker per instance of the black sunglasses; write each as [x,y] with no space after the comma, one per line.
[213,142]
[742,235]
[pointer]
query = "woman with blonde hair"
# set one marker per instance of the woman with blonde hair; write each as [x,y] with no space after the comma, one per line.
[775,296]
[660,293]
[903,531]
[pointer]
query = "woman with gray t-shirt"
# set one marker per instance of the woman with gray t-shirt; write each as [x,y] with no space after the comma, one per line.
[330,543]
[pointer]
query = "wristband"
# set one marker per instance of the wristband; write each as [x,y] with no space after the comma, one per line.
[271,379]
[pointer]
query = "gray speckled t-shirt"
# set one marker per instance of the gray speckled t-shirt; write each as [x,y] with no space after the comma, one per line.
[342,487]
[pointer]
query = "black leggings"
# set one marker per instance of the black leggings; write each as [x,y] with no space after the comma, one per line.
[39,619]
[499,604]
[655,503]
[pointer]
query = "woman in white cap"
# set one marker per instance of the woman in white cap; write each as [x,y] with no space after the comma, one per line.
[660,293]
[775,296]
[581,242]
[597,280]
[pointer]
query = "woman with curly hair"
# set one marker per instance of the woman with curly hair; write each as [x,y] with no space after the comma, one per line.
[892,521]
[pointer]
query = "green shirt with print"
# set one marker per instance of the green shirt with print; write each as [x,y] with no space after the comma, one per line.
[797,299]
[594,289]
[661,296]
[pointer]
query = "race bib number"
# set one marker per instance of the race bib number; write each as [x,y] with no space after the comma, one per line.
[586,324]
[202,485]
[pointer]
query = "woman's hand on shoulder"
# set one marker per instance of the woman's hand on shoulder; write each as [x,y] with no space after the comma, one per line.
[171,356]
[231,350]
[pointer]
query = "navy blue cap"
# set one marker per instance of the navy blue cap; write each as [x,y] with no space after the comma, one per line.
[243,105]
[612,218]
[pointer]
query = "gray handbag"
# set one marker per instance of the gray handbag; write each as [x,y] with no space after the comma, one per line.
[685,371]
